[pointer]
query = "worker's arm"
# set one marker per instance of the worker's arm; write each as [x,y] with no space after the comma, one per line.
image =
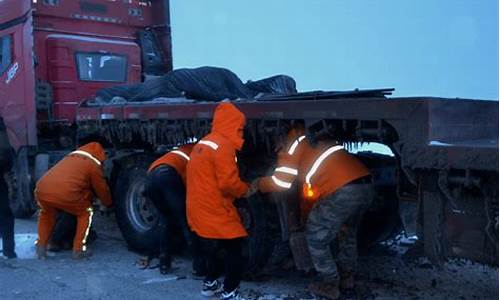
[285,173]
[227,173]
[100,186]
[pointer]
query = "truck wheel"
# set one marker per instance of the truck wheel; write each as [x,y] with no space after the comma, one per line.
[258,246]
[21,187]
[136,215]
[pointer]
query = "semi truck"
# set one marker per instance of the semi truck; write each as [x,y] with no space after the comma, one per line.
[440,181]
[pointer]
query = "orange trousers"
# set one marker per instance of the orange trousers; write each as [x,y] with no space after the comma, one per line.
[47,221]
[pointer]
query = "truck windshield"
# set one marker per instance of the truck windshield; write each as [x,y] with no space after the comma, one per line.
[5,53]
[101,67]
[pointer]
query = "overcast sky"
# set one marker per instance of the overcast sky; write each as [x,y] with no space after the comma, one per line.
[445,48]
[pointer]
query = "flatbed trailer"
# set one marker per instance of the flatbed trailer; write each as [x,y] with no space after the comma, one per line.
[443,175]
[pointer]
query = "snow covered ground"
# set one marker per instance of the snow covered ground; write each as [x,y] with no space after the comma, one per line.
[384,273]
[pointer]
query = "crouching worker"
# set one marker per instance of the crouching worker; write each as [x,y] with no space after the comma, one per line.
[213,185]
[166,187]
[70,186]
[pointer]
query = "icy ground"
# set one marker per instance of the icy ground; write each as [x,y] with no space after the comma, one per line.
[111,273]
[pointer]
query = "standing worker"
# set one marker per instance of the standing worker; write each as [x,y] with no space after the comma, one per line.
[6,217]
[166,187]
[213,183]
[70,186]
[339,188]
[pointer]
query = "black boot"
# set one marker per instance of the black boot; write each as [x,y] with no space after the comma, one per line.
[165,264]
[8,246]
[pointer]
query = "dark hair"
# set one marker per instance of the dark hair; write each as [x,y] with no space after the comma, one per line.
[96,138]
[325,130]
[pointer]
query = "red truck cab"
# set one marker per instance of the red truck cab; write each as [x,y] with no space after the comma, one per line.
[54,54]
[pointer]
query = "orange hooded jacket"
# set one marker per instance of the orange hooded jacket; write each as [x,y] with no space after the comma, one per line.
[176,159]
[213,180]
[76,179]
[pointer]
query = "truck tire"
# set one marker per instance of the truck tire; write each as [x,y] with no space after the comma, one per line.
[42,163]
[136,215]
[259,245]
[21,187]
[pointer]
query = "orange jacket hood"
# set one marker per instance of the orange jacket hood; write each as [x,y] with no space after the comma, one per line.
[229,122]
[94,149]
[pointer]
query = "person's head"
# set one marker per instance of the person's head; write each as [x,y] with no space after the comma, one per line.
[93,138]
[324,130]
[229,122]
[95,145]
[288,130]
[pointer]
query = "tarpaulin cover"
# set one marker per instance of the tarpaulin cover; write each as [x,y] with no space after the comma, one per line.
[204,83]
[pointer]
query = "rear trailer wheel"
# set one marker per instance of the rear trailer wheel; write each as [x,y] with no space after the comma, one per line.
[136,215]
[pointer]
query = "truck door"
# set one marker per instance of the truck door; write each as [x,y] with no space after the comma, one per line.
[17,103]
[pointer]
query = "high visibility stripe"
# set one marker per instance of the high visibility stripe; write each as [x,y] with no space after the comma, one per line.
[281,183]
[184,155]
[287,170]
[86,154]
[319,160]
[295,145]
[84,241]
[210,144]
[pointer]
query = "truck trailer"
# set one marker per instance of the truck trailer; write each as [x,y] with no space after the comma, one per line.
[440,183]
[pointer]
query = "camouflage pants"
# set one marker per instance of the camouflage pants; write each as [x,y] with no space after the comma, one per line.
[340,210]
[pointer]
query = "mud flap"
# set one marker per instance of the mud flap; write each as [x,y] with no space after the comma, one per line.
[433,204]
[21,186]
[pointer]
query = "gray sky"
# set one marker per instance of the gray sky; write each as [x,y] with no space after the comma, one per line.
[445,48]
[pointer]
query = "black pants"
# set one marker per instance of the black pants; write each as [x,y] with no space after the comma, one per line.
[6,219]
[233,260]
[168,193]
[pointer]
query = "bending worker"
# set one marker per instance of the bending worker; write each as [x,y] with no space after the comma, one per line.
[166,187]
[213,183]
[70,186]
[339,187]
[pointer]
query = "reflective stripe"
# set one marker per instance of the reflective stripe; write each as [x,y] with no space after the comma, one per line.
[84,241]
[320,159]
[86,154]
[235,159]
[295,145]
[287,170]
[210,144]
[181,154]
[281,183]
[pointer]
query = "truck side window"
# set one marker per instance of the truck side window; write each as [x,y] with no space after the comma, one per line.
[5,53]
[101,67]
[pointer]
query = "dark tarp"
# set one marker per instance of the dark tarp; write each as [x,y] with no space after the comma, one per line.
[204,83]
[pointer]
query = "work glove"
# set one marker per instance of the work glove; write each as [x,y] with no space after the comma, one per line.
[254,188]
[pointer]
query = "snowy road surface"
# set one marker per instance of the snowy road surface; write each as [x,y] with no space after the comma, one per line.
[111,274]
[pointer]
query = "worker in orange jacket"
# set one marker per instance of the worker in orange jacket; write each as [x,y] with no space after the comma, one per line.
[70,186]
[339,189]
[213,183]
[166,187]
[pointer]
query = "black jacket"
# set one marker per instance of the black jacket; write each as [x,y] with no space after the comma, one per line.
[6,151]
